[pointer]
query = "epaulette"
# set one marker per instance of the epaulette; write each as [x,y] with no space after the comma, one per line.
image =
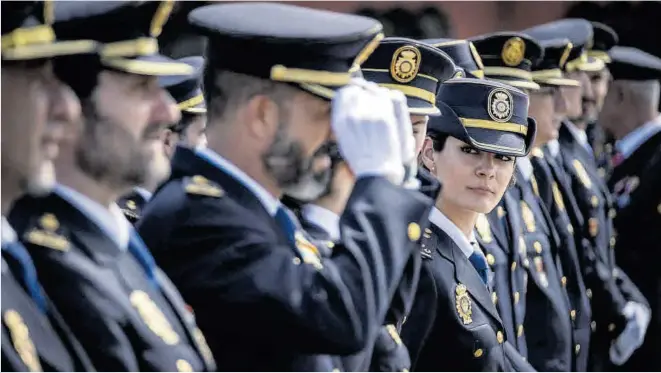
[129,209]
[47,233]
[537,152]
[201,186]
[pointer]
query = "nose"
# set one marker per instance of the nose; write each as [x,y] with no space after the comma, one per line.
[487,166]
[586,86]
[64,104]
[165,109]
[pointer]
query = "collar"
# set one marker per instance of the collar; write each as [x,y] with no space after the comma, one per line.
[144,193]
[525,167]
[437,218]
[109,219]
[8,233]
[554,148]
[270,203]
[324,218]
[580,135]
[634,139]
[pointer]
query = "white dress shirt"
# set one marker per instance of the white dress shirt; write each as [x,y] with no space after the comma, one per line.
[632,141]
[437,218]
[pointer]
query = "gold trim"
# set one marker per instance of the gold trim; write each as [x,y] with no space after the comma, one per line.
[318,90]
[548,73]
[420,93]
[49,12]
[368,50]
[559,82]
[24,36]
[476,56]
[565,54]
[193,101]
[161,17]
[583,63]
[448,43]
[507,71]
[293,75]
[135,47]
[38,51]
[496,126]
[150,68]
[518,84]
[478,73]
[196,110]
[601,55]
[388,72]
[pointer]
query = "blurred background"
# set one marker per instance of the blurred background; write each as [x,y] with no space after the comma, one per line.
[638,23]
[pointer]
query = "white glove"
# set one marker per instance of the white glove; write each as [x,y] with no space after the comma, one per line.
[366,130]
[633,335]
[407,141]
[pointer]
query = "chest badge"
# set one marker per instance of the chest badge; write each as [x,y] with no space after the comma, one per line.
[20,338]
[153,317]
[463,304]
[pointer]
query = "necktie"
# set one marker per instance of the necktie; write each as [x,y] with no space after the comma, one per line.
[142,254]
[480,263]
[287,224]
[29,273]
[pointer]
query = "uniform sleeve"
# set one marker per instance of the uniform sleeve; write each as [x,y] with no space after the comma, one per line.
[227,265]
[514,361]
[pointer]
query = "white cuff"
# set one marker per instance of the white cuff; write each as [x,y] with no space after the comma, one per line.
[323,218]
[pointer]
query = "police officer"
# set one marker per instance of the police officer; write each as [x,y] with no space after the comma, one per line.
[416,70]
[36,106]
[259,288]
[96,268]
[453,312]
[630,114]
[188,131]
[611,289]
[462,53]
[508,57]
[548,108]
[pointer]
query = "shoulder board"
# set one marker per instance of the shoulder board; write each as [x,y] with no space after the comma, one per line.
[47,233]
[537,152]
[201,186]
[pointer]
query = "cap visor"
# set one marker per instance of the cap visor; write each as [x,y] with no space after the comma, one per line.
[560,82]
[525,84]
[58,48]
[421,107]
[154,65]
[592,65]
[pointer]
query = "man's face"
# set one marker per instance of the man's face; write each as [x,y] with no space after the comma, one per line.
[542,109]
[193,135]
[419,123]
[126,117]
[614,110]
[36,106]
[575,96]
[600,81]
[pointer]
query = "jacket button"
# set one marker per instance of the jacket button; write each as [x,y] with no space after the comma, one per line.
[564,280]
[577,349]
[588,292]
[478,352]
[572,313]
[538,247]
[519,331]
[499,336]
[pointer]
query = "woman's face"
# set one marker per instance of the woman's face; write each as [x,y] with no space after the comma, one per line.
[472,179]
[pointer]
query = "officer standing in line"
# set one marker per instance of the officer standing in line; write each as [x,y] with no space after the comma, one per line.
[95,267]
[507,284]
[36,107]
[261,291]
[508,57]
[453,312]
[604,38]
[631,115]
[188,131]
[615,296]
[416,70]
[547,106]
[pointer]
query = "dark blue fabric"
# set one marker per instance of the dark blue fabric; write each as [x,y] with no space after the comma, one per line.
[142,254]
[480,263]
[29,273]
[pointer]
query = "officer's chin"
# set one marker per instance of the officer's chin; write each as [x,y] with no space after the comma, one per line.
[42,182]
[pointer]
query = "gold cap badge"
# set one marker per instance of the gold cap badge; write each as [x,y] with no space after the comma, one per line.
[405,64]
[500,105]
[513,51]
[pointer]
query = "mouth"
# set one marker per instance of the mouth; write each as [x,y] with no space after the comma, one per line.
[482,190]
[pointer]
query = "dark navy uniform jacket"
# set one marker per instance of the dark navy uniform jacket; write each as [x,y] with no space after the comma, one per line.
[33,340]
[125,321]
[262,303]
[505,259]
[453,324]
[558,199]
[611,287]
[548,313]
[636,187]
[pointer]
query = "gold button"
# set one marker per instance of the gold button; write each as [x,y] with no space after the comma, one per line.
[564,280]
[572,313]
[490,259]
[577,349]
[330,244]
[513,266]
[611,327]
[499,336]
[405,370]
[184,366]
[494,297]
[519,331]
[538,247]
[588,292]
[570,229]
[296,261]
[516,297]
[615,272]
[335,370]
[612,213]
[594,201]
[414,231]
[593,326]
[613,241]
[478,352]
[526,262]
[601,171]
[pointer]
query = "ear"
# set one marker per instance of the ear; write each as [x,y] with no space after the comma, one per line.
[170,141]
[427,154]
[261,116]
